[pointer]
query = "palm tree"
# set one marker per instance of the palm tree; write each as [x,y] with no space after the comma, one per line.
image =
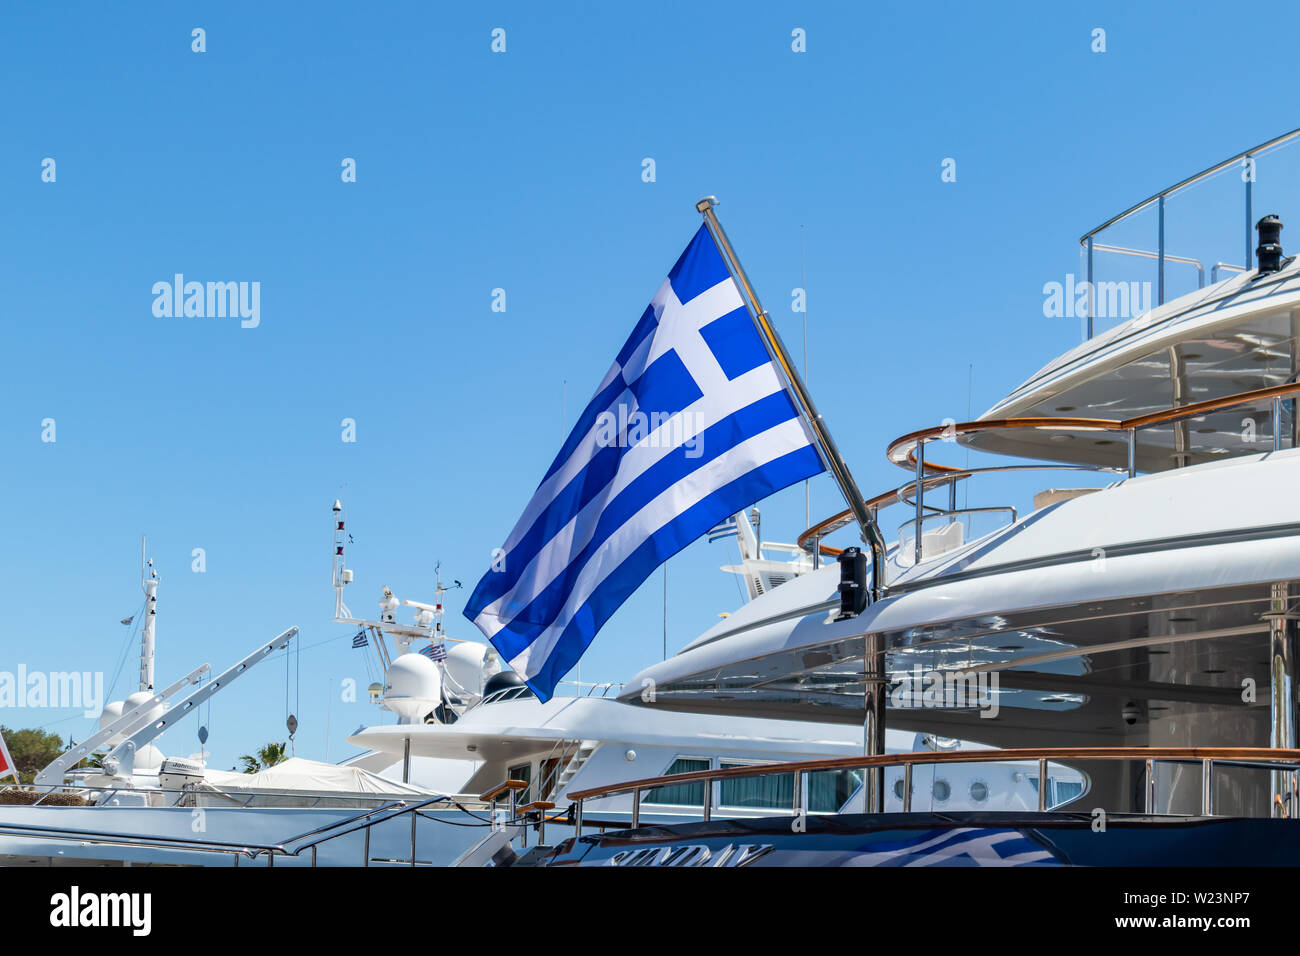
[267,756]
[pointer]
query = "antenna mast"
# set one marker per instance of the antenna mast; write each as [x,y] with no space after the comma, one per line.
[148,584]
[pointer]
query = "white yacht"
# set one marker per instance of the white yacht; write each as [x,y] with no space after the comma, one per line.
[469,740]
[1141,627]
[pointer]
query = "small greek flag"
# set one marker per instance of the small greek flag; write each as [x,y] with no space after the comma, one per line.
[725,529]
[360,640]
[690,425]
[435,652]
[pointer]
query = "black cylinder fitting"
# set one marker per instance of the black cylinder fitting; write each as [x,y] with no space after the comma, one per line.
[1269,250]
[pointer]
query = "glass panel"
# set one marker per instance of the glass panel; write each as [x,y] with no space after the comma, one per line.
[687,794]
[828,790]
[768,792]
[524,772]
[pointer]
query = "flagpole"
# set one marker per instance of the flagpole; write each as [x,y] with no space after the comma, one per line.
[830,454]
[873,658]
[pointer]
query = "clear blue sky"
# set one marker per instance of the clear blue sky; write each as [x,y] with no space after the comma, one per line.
[519,171]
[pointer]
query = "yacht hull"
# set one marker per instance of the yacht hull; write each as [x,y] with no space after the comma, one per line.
[951,839]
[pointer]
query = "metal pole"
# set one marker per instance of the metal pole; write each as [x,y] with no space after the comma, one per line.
[1151,787]
[636,808]
[1132,452]
[365,850]
[1282,676]
[798,788]
[1277,423]
[1160,285]
[415,818]
[577,821]
[1091,307]
[1249,225]
[1207,788]
[1042,786]
[920,497]
[406,761]
[907,787]
[708,800]
[825,444]
[873,724]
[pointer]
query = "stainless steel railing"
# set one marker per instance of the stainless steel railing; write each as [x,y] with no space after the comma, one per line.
[294,846]
[1283,764]
[1246,159]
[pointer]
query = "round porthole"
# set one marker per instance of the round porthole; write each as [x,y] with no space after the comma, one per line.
[898,788]
[941,790]
[979,791]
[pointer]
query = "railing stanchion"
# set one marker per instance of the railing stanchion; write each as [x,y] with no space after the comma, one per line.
[798,788]
[1207,787]
[1277,423]
[708,799]
[1132,452]
[1150,806]
[907,787]
[1250,227]
[636,808]
[1042,785]
[1160,278]
[577,821]
[313,857]
[920,494]
[1091,307]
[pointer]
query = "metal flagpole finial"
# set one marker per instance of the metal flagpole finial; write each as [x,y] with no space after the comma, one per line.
[708,202]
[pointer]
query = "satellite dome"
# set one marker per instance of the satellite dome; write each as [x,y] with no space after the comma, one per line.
[148,758]
[412,687]
[510,685]
[464,668]
[110,713]
[142,698]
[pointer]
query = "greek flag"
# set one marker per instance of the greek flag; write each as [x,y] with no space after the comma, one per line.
[691,424]
[726,529]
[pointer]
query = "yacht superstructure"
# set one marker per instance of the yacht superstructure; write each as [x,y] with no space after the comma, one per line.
[1140,628]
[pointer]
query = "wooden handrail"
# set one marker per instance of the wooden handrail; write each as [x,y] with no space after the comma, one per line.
[902,450]
[503,787]
[1056,754]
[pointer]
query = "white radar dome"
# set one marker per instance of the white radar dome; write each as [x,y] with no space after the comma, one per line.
[412,687]
[110,713]
[464,667]
[142,698]
[148,758]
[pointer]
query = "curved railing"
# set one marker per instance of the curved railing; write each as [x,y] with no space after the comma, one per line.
[1090,245]
[1266,758]
[908,451]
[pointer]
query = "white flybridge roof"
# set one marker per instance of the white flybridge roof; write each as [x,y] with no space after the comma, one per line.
[1238,335]
[517,727]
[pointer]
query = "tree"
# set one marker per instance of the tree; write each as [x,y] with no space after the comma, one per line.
[267,757]
[32,750]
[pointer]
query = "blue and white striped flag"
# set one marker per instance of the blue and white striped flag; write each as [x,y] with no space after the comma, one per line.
[724,529]
[690,425]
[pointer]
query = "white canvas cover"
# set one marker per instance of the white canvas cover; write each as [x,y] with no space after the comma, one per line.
[308,780]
